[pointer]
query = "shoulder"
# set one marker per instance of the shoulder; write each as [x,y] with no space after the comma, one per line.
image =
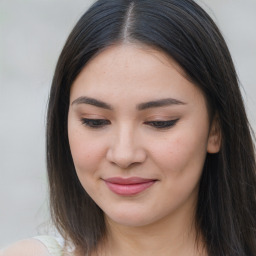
[28,247]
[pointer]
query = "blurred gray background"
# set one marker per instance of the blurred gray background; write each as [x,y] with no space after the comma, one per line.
[32,33]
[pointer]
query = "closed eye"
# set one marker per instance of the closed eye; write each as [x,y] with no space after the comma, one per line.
[95,123]
[100,123]
[162,124]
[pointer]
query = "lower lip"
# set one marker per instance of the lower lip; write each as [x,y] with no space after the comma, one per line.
[129,189]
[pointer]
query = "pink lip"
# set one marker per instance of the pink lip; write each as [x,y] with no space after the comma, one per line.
[128,186]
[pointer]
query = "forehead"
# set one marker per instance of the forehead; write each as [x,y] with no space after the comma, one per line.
[132,71]
[125,53]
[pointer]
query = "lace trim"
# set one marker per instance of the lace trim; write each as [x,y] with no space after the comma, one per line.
[51,244]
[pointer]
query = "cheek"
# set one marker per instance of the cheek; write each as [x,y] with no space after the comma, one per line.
[181,163]
[86,152]
[181,156]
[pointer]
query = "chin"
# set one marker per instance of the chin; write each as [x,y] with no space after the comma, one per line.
[131,219]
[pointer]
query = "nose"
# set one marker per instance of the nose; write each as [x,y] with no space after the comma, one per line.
[125,149]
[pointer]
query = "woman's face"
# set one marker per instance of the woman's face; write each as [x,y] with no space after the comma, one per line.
[139,133]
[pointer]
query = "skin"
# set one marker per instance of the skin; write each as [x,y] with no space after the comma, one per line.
[28,247]
[129,142]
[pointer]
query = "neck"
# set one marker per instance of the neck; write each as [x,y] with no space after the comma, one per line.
[170,236]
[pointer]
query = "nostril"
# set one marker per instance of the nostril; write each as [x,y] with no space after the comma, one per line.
[125,159]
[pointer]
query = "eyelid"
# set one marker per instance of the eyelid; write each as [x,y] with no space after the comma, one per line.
[91,116]
[162,124]
[162,117]
[95,123]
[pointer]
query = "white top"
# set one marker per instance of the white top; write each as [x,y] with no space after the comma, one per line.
[52,244]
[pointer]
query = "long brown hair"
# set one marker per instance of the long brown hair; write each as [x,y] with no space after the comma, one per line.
[226,211]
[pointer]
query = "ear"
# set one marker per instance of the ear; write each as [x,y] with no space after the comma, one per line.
[214,139]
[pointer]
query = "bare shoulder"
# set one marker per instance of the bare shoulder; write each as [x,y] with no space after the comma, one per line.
[28,247]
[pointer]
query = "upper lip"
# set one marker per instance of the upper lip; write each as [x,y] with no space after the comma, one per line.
[127,181]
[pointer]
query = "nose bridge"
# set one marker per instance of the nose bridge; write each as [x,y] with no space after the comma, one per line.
[125,148]
[125,137]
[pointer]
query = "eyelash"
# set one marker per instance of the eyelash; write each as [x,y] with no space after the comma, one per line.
[162,124]
[95,123]
[100,123]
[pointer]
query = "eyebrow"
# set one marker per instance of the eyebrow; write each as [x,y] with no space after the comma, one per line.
[141,106]
[92,101]
[159,103]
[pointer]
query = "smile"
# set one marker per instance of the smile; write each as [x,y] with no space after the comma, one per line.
[128,186]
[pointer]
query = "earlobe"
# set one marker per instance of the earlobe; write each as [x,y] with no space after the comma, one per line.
[214,139]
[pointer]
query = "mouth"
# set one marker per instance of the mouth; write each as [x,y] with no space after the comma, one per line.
[128,186]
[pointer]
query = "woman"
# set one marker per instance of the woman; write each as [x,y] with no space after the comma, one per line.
[149,149]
